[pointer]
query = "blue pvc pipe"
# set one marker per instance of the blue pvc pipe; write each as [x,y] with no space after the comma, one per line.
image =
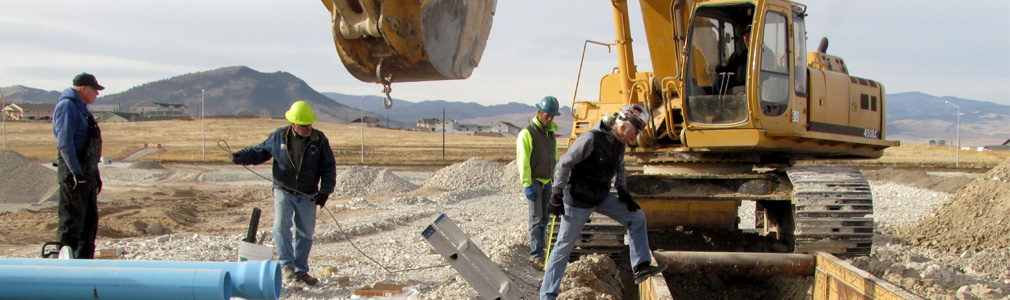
[41,282]
[249,280]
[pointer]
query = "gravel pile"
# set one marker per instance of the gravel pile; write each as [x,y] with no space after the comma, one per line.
[359,181]
[146,165]
[975,219]
[25,181]
[473,172]
[388,183]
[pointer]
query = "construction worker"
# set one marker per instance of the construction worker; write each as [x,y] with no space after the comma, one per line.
[79,149]
[582,186]
[536,155]
[304,175]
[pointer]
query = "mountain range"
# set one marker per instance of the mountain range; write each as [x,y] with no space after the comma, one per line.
[912,117]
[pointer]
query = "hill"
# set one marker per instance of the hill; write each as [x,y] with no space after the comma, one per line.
[231,90]
[408,113]
[915,117]
[21,94]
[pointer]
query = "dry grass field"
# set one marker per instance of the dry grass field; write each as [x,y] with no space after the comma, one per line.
[182,141]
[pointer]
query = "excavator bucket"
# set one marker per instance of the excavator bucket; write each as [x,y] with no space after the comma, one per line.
[385,41]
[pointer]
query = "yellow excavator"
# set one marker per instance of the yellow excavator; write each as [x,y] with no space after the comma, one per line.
[736,99]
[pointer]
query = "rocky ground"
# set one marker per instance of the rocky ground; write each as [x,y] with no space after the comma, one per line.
[371,229]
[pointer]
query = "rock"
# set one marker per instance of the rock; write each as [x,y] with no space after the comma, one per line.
[164,239]
[964,293]
[911,274]
[155,228]
[967,254]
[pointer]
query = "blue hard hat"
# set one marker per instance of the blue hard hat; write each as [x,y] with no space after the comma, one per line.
[549,105]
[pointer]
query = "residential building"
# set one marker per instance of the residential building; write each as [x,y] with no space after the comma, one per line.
[157,108]
[370,121]
[29,111]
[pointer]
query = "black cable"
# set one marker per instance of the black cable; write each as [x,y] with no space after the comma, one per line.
[227,148]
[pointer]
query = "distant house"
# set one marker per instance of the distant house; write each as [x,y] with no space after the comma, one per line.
[96,108]
[471,129]
[436,125]
[370,121]
[115,117]
[505,129]
[157,108]
[150,111]
[29,112]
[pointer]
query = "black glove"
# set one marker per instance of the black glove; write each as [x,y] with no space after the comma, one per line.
[557,205]
[99,180]
[625,197]
[320,199]
[236,158]
[78,183]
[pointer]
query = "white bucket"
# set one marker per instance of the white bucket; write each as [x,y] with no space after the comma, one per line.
[253,252]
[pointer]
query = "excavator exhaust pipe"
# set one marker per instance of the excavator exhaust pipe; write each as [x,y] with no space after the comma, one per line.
[383,41]
[737,263]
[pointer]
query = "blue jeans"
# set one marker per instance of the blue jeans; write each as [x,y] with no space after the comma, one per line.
[303,210]
[538,218]
[571,225]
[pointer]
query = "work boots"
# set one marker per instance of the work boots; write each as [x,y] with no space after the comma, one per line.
[538,264]
[308,279]
[288,273]
[644,271]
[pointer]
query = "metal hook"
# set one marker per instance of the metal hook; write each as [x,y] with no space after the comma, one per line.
[386,82]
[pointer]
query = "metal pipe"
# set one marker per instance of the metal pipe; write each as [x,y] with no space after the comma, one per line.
[249,280]
[44,282]
[737,263]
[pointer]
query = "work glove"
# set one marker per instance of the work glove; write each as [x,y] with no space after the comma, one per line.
[320,199]
[531,194]
[78,182]
[557,205]
[236,158]
[625,197]
[99,180]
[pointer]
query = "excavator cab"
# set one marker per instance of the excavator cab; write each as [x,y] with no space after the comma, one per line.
[383,41]
[718,63]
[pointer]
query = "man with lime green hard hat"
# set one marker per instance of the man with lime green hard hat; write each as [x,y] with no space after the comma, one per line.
[536,155]
[304,175]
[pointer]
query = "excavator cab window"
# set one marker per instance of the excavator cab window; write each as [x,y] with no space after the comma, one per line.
[716,85]
[775,65]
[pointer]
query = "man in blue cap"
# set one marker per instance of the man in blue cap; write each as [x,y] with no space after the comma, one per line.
[536,155]
[79,149]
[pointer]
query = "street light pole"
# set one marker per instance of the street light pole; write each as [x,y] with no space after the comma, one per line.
[3,104]
[362,122]
[203,132]
[957,163]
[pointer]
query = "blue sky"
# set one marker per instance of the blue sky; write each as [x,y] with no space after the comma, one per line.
[942,48]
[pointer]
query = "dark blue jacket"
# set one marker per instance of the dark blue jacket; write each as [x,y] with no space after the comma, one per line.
[319,169]
[70,126]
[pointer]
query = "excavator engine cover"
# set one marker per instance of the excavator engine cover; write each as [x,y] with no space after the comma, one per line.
[386,41]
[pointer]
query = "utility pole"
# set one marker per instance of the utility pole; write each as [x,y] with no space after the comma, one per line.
[957,163]
[443,133]
[203,133]
[3,104]
[362,121]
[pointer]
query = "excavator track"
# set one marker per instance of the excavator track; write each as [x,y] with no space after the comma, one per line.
[833,210]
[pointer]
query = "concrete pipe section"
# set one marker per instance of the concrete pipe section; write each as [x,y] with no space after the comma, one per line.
[44,282]
[249,280]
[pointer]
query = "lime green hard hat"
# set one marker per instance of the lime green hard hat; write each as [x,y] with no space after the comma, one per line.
[300,113]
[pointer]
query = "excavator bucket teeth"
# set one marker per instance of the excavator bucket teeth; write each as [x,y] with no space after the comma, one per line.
[386,41]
